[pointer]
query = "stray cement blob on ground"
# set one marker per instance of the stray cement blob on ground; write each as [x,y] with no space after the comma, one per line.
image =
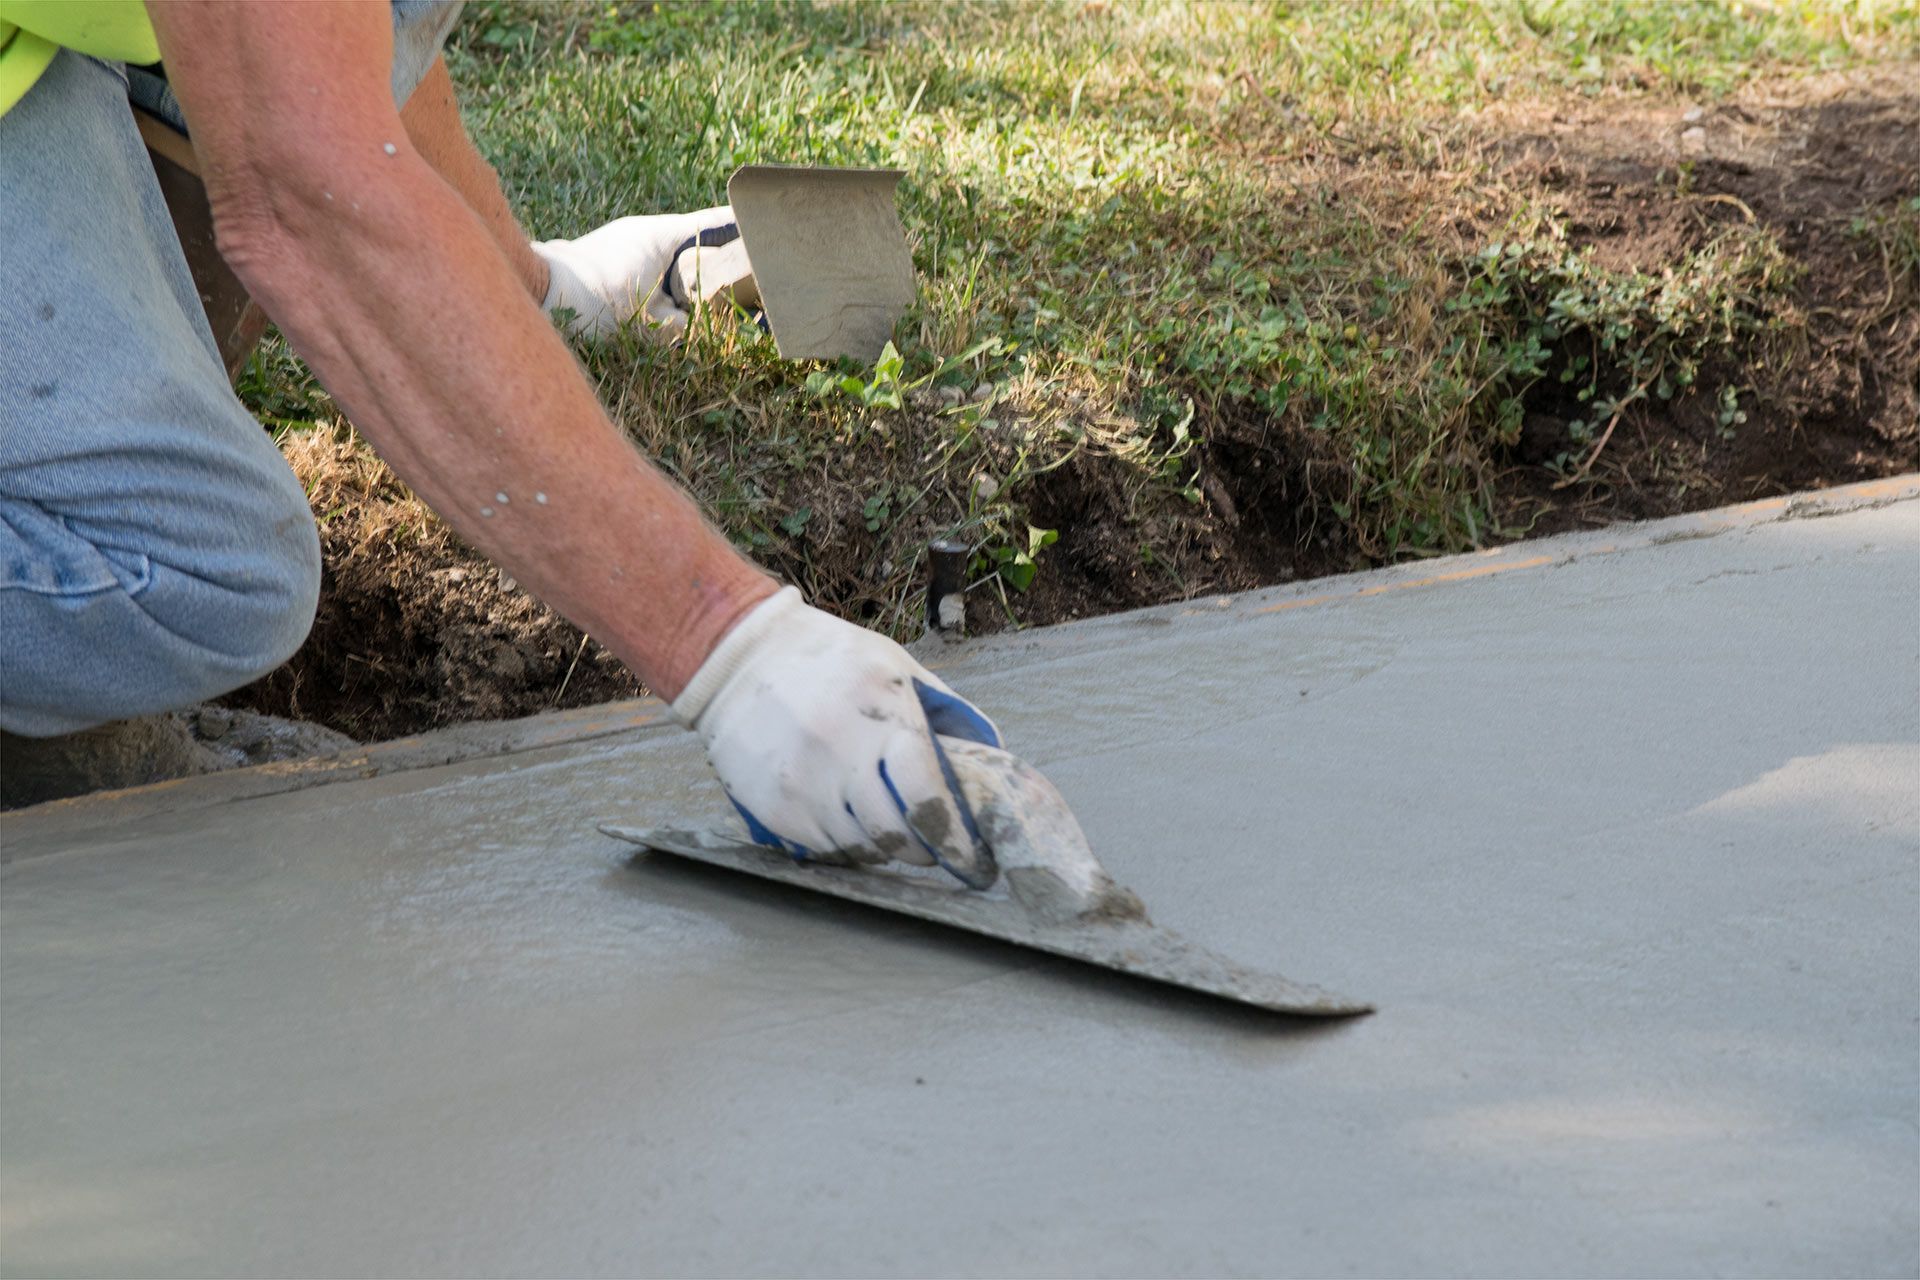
[132,753]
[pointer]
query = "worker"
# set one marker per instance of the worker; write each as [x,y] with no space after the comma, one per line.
[156,550]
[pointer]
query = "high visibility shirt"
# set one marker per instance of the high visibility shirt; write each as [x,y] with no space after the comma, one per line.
[32,31]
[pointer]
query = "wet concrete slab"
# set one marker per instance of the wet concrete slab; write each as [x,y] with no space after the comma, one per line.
[1621,832]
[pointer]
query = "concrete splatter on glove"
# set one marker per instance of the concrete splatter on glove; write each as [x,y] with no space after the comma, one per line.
[824,736]
[608,275]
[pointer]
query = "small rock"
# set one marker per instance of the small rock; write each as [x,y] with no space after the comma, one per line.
[507,583]
[1218,497]
[1694,141]
[950,397]
[982,393]
[1694,115]
[456,575]
[212,723]
[985,487]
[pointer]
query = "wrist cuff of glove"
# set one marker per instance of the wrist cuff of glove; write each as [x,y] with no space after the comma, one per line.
[735,650]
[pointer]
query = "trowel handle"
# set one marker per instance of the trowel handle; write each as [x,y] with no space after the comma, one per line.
[709,265]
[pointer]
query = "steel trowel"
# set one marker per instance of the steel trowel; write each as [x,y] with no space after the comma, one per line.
[1046,889]
[820,252]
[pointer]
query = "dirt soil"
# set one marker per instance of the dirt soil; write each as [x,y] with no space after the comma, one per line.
[415,631]
[1837,397]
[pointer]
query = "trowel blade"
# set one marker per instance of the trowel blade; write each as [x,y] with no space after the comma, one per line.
[829,256]
[1128,946]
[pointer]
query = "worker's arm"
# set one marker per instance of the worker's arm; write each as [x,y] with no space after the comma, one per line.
[597,282]
[432,118]
[390,286]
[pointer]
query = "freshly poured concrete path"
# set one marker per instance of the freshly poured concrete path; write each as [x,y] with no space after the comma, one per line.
[1622,832]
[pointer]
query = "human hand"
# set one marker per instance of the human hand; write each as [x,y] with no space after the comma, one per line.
[824,736]
[606,276]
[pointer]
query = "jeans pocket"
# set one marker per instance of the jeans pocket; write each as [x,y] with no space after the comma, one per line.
[41,553]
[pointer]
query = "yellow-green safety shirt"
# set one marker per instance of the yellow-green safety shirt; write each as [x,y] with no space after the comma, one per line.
[32,31]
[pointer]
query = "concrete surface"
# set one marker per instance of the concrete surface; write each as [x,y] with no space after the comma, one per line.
[1622,832]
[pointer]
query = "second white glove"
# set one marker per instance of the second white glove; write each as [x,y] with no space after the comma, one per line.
[606,276]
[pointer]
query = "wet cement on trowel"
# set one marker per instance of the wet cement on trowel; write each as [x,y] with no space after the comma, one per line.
[1625,847]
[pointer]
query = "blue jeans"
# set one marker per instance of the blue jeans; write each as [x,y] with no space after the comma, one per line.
[155,549]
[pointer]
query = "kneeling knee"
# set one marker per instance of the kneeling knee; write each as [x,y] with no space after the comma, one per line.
[243,601]
[287,590]
[271,596]
[186,620]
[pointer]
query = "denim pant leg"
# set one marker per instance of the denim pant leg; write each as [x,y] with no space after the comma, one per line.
[155,549]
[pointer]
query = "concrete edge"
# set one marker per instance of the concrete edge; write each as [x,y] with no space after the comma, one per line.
[1534,554]
[634,716]
[649,715]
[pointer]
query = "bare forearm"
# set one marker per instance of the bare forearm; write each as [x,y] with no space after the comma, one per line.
[393,291]
[432,118]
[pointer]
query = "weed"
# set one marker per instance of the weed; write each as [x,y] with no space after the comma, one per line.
[1612,338]
[1016,565]
[881,391]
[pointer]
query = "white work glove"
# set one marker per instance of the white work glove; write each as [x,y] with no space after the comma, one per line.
[823,734]
[607,275]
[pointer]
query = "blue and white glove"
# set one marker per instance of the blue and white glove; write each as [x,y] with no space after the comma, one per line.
[607,275]
[824,736]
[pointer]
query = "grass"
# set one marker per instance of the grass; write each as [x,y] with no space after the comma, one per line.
[1171,251]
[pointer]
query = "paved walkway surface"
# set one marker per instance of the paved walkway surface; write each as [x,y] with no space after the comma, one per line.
[1622,833]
